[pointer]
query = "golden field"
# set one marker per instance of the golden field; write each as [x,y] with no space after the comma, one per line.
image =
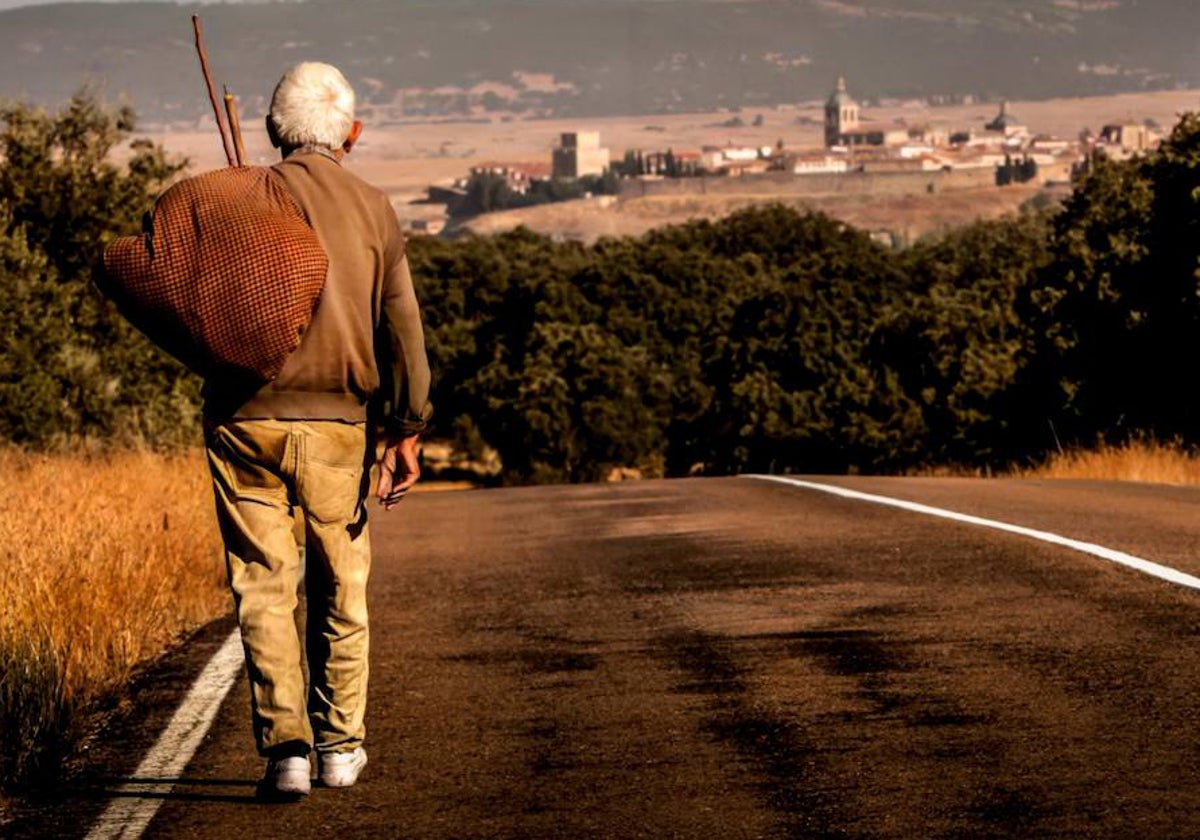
[912,216]
[1143,461]
[109,560]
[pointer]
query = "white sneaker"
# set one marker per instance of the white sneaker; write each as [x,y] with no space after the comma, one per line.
[341,769]
[287,778]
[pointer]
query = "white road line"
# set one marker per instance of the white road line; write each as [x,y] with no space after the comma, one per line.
[129,814]
[1155,569]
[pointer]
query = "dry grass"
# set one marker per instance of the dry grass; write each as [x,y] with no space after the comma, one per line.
[108,561]
[1145,461]
[912,216]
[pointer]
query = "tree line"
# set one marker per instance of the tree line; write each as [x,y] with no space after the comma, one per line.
[488,192]
[773,339]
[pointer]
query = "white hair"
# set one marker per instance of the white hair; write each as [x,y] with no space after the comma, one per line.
[313,104]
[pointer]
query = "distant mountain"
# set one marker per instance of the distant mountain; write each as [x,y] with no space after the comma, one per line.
[591,57]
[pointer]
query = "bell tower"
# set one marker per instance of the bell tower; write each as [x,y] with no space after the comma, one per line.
[841,114]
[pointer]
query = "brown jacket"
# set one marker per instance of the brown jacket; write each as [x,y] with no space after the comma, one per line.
[365,343]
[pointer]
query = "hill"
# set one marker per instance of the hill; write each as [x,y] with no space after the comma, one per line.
[569,58]
[906,217]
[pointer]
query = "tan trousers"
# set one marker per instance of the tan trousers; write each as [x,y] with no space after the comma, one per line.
[262,470]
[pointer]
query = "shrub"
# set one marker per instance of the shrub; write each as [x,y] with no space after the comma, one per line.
[70,366]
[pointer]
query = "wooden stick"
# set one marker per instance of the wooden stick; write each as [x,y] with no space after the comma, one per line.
[235,128]
[212,92]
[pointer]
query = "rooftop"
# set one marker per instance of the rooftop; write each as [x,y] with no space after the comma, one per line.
[840,97]
[1004,119]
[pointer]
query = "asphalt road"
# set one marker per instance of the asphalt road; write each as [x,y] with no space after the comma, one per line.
[731,658]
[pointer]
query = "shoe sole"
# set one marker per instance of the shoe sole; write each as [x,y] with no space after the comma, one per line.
[285,785]
[269,793]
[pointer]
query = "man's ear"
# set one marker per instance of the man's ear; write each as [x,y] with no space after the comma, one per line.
[356,129]
[273,133]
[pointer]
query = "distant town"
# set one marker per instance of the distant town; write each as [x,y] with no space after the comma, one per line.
[859,156]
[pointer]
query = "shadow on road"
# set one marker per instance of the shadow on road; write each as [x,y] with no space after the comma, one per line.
[127,788]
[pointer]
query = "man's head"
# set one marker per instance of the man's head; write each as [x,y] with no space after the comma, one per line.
[313,105]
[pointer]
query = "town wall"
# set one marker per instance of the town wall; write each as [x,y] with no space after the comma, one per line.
[821,184]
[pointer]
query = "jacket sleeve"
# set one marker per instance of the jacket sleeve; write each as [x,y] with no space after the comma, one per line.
[406,409]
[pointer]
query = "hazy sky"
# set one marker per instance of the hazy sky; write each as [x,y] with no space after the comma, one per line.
[12,4]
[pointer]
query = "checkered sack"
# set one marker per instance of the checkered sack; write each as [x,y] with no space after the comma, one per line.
[225,276]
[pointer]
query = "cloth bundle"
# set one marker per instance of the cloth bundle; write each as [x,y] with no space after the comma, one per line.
[225,276]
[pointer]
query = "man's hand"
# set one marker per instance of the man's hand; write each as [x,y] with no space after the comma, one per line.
[399,469]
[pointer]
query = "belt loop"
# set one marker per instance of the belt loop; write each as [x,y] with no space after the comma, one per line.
[292,452]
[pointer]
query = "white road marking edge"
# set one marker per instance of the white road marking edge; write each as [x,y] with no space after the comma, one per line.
[137,803]
[127,818]
[1146,566]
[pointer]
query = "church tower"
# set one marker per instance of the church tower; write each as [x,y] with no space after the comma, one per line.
[841,114]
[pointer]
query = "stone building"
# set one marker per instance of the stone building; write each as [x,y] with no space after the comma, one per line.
[1121,141]
[580,154]
[844,125]
[841,114]
[1006,123]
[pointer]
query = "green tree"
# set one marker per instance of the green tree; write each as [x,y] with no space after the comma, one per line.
[780,310]
[72,366]
[1173,336]
[580,404]
[1096,302]
[963,345]
[31,395]
[487,192]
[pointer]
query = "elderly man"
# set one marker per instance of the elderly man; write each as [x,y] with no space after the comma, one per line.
[302,442]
